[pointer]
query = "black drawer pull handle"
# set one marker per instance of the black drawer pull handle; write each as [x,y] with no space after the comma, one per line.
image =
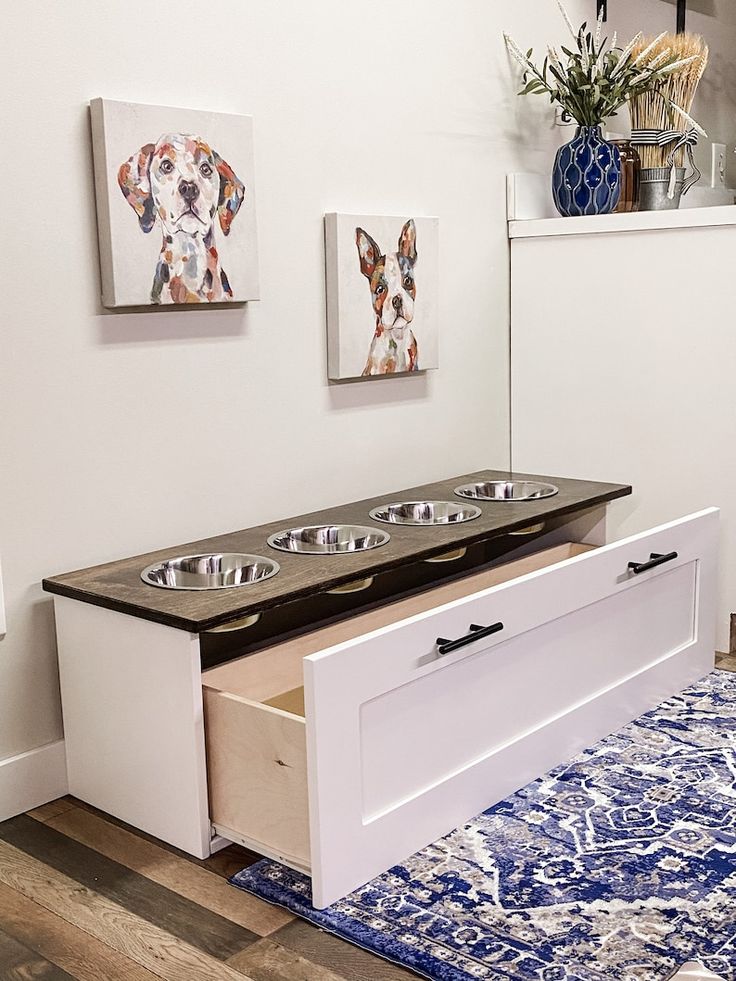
[445,646]
[655,559]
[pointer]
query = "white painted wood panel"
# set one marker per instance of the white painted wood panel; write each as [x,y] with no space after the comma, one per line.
[623,354]
[403,746]
[133,722]
[32,778]
[532,214]
[515,687]
[2,606]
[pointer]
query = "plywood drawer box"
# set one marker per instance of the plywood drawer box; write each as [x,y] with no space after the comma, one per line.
[345,750]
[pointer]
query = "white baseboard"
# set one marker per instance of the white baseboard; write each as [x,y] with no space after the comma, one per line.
[33,778]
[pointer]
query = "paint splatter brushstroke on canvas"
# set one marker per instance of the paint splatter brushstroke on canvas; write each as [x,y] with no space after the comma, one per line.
[393,291]
[390,329]
[186,176]
[182,186]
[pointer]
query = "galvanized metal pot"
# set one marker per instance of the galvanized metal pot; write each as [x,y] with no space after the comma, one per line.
[655,188]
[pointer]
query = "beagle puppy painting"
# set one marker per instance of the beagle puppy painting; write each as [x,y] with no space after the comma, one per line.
[184,187]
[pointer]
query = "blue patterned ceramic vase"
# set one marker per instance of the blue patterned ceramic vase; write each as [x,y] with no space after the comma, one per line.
[586,178]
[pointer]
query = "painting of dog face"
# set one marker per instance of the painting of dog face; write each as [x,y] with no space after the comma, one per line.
[171,204]
[393,291]
[182,185]
[390,328]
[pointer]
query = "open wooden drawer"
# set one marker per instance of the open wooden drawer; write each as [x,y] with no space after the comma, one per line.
[347,749]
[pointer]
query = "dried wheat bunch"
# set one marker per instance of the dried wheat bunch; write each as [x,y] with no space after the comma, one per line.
[667,104]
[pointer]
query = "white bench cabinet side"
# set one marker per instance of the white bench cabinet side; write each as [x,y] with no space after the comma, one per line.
[131,695]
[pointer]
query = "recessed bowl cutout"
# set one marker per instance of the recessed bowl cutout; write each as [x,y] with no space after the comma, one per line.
[453,556]
[529,529]
[211,570]
[356,586]
[507,490]
[425,513]
[234,625]
[328,539]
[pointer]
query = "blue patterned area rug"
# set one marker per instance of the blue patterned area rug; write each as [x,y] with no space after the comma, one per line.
[620,864]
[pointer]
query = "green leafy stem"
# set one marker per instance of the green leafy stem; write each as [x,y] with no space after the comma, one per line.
[592,81]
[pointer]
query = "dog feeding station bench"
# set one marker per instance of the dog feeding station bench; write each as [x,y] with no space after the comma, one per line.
[343,708]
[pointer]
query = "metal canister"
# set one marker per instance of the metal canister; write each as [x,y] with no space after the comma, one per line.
[655,189]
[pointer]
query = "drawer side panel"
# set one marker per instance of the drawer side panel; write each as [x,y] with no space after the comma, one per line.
[257,771]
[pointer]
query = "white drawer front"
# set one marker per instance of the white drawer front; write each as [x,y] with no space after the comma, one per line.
[535,677]
[403,745]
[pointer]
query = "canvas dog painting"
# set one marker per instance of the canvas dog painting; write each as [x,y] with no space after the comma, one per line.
[393,292]
[185,188]
[175,205]
[397,333]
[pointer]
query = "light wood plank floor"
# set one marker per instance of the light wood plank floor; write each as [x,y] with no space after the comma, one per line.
[87,898]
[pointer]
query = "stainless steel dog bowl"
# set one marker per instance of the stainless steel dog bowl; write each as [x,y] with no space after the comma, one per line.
[214,570]
[507,490]
[425,513]
[328,539]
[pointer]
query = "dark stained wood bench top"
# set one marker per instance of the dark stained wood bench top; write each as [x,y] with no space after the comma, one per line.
[118,586]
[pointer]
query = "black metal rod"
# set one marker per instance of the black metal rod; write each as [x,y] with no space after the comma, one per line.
[655,559]
[445,646]
[681,14]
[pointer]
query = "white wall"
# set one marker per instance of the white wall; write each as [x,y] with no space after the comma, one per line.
[132,431]
[715,103]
